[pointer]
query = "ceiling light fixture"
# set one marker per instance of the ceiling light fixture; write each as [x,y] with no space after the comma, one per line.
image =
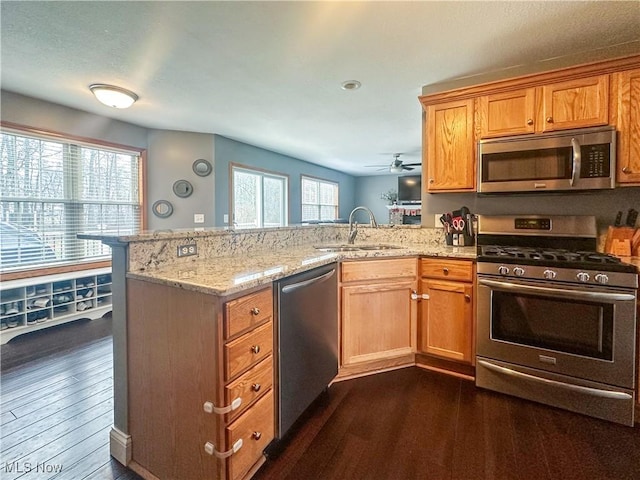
[113,96]
[351,85]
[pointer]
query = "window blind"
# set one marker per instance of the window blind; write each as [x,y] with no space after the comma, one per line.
[319,199]
[51,190]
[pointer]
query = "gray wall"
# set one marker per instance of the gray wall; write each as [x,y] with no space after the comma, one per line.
[368,191]
[602,204]
[230,151]
[36,113]
[170,158]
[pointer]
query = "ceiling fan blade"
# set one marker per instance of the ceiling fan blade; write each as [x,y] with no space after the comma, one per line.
[412,164]
[404,167]
[378,165]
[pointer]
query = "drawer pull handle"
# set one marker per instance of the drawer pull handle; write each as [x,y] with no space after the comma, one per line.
[255,311]
[255,387]
[256,435]
[626,170]
[530,121]
[467,298]
[445,270]
[210,449]
[255,348]
[549,119]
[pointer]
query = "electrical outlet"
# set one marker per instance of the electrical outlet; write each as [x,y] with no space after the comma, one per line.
[437,220]
[198,218]
[187,250]
[225,218]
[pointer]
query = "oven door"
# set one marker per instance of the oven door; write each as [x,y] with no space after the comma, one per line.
[578,331]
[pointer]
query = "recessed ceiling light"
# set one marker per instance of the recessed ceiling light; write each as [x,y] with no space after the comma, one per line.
[113,96]
[351,85]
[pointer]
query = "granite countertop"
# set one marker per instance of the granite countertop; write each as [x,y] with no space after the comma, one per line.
[232,274]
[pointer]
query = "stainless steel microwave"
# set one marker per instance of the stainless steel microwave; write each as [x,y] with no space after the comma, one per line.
[570,160]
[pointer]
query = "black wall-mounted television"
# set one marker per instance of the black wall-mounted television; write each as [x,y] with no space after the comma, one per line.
[409,189]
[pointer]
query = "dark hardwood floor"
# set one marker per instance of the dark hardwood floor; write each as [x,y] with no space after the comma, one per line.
[56,404]
[56,412]
[416,424]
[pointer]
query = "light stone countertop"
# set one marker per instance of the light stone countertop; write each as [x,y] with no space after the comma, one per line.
[232,274]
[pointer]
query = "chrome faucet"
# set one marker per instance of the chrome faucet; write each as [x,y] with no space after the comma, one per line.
[353,225]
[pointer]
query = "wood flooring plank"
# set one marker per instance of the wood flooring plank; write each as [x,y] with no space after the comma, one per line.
[6,417]
[87,465]
[67,396]
[111,470]
[57,412]
[53,434]
[70,447]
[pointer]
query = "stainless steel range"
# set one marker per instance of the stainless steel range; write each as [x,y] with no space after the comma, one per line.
[556,320]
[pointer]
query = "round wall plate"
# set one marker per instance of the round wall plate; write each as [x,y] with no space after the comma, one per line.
[202,167]
[182,188]
[162,209]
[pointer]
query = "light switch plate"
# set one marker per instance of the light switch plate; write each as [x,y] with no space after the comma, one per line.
[225,218]
[198,218]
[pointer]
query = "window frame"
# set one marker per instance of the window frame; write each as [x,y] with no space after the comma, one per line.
[319,180]
[56,136]
[261,172]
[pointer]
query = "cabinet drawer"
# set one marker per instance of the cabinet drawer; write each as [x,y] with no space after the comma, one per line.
[255,428]
[247,350]
[378,269]
[450,269]
[250,386]
[246,312]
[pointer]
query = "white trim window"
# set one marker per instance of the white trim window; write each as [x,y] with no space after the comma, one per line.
[259,198]
[51,189]
[320,199]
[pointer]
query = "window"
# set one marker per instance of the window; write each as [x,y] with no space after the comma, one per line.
[52,189]
[259,198]
[319,199]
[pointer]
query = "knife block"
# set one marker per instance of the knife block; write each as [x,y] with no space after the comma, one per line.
[622,241]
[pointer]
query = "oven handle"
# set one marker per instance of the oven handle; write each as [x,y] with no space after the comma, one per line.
[567,386]
[554,292]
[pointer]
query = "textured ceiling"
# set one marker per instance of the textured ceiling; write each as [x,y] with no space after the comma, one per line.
[269,73]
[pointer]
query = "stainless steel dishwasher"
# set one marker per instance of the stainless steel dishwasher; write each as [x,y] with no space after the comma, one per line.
[307,343]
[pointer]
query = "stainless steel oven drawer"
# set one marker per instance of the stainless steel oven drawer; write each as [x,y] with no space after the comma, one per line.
[577,395]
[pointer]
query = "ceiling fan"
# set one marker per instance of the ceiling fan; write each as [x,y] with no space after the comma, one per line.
[397,165]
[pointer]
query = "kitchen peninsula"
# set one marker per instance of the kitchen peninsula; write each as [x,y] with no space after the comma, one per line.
[193,335]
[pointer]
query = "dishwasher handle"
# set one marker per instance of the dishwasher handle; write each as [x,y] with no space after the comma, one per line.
[296,286]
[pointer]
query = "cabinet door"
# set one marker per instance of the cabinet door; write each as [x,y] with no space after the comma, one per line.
[446,319]
[377,321]
[575,103]
[628,123]
[450,148]
[509,113]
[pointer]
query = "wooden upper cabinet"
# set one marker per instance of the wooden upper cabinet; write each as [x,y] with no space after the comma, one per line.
[583,102]
[450,147]
[508,113]
[628,124]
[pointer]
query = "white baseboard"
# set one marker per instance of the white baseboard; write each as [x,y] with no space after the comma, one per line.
[120,446]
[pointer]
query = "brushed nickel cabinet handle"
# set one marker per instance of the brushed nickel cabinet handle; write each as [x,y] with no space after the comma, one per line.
[549,119]
[255,311]
[467,298]
[255,387]
[626,170]
[445,270]
[256,435]
[431,180]
[255,348]
[530,121]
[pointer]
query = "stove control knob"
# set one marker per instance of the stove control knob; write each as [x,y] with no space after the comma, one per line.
[602,278]
[549,274]
[502,270]
[583,276]
[518,271]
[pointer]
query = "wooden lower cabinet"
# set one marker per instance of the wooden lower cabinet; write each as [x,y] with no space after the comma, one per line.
[446,324]
[378,314]
[191,357]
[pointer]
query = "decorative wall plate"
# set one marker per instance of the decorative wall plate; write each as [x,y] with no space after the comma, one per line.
[162,209]
[202,167]
[182,188]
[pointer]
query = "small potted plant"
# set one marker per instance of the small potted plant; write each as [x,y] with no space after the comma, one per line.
[391,196]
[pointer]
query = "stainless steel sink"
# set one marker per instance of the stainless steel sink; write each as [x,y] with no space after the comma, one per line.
[353,247]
